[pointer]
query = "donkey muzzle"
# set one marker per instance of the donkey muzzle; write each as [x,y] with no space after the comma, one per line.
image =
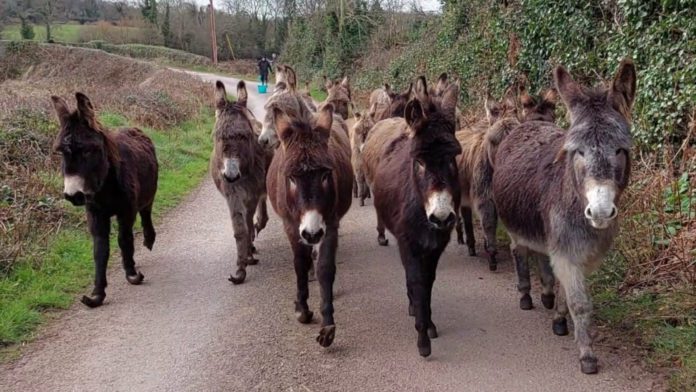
[442,224]
[600,209]
[312,227]
[230,170]
[77,199]
[74,189]
[439,209]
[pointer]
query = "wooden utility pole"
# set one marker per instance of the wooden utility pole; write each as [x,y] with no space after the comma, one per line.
[213,38]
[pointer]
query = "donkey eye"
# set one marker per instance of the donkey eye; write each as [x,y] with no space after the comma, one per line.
[619,151]
[581,153]
[325,178]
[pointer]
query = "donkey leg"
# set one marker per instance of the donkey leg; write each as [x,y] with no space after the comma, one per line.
[459,228]
[356,193]
[547,282]
[252,233]
[524,285]
[381,238]
[242,240]
[489,223]
[362,188]
[326,274]
[560,322]
[572,280]
[430,268]
[468,219]
[261,216]
[100,228]
[148,229]
[302,260]
[125,243]
[416,286]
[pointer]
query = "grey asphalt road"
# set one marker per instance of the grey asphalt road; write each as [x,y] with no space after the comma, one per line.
[188,329]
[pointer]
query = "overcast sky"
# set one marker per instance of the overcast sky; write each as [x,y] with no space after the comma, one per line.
[427,5]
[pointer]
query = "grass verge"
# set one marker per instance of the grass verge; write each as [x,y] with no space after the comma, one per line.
[51,278]
[59,32]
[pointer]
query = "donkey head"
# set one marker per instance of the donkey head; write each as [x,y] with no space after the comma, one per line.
[310,183]
[496,110]
[87,149]
[598,143]
[541,109]
[362,126]
[433,151]
[399,101]
[287,101]
[285,74]
[339,96]
[234,135]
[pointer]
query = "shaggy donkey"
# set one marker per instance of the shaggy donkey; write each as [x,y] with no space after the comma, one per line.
[380,101]
[358,134]
[556,191]
[238,166]
[541,109]
[339,95]
[110,173]
[416,193]
[309,185]
[475,177]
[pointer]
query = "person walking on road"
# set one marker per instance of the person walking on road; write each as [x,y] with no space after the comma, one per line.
[264,68]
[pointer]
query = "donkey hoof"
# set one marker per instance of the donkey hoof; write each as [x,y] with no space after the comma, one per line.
[588,365]
[304,316]
[432,331]
[526,302]
[254,250]
[492,265]
[252,261]
[383,241]
[94,301]
[424,345]
[239,279]
[362,203]
[149,241]
[326,335]
[135,279]
[472,251]
[560,327]
[548,300]
[411,310]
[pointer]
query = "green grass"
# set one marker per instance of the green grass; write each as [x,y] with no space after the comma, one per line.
[318,94]
[60,32]
[53,278]
[661,322]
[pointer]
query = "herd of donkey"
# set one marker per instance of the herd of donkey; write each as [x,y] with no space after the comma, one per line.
[554,190]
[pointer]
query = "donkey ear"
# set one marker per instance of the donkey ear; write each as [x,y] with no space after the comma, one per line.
[387,88]
[327,83]
[449,101]
[441,83]
[291,77]
[242,95]
[283,125]
[220,95]
[570,91]
[414,114]
[345,82]
[61,108]
[422,89]
[623,89]
[409,91]
[325,117]
[85,108]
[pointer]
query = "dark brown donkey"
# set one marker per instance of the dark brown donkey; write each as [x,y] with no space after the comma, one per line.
[556,191]
[238,166]
[110,173]
[309,185]
[416,193]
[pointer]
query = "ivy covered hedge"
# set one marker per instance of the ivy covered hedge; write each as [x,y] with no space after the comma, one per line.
[491,44]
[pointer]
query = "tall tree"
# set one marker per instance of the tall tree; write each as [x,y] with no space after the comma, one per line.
[166,29]
[149,10]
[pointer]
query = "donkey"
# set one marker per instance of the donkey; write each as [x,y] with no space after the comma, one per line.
[397,105]
[285,74]
[110,173]
[339,95]
[536,109]
[238,166]
[556,191]
[494,111]
[289,101]
[475,176]
[358,135]
[416,193]
[380,100]
[309,185]
[541,109]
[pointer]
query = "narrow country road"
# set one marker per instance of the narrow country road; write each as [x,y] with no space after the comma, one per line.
[188,329]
